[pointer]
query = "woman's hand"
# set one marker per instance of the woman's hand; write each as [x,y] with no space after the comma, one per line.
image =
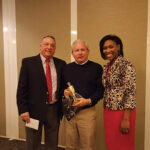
[125,126]
[125,123]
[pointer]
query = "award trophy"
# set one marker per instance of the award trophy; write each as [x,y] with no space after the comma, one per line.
[72,90]
[69,110]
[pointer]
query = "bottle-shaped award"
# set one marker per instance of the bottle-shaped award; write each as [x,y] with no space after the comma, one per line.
[72,90]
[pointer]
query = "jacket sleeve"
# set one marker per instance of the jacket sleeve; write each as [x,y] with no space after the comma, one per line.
[22,90]
[129,82]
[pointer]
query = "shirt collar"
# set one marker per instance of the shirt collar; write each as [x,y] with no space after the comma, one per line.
[44,59]
[82,63]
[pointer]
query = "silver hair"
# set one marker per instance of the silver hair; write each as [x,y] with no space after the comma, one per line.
[49,36]
[79,41]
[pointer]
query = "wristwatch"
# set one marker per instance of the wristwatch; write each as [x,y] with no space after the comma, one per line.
[90,101]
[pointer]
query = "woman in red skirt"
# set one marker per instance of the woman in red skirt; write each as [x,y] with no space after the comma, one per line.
[119,80]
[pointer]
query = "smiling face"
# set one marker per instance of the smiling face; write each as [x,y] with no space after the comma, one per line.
[110,50]
[47,47]
[80,52]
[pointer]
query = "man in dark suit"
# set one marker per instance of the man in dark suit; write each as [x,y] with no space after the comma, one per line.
[39,95]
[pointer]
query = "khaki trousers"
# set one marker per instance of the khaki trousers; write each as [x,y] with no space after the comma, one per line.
[81,130]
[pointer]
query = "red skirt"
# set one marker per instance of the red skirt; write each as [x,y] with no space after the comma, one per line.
[114,139]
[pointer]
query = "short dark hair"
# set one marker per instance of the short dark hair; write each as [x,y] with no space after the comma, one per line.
[50,36]
[114,38]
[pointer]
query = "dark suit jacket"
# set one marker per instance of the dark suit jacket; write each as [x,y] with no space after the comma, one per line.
[32,92]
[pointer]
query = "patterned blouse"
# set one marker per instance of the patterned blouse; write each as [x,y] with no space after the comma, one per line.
[120,85]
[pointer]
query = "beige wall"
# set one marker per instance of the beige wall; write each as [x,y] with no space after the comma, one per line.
[2,90]
[128,20]
[35,19]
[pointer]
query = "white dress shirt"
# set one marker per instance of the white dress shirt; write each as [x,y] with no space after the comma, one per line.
[53,76]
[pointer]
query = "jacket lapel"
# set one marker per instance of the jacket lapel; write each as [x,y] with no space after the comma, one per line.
[111,73]
[57,71]
[41,69]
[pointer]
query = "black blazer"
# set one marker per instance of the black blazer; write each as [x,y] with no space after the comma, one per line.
[32,92]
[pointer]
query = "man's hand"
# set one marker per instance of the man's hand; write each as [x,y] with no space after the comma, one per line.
[25,116]
[67,93]
[81,102]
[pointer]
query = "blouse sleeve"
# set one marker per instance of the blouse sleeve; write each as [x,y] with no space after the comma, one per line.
[129,82]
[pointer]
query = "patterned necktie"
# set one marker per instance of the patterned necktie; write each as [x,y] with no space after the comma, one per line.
[49,80]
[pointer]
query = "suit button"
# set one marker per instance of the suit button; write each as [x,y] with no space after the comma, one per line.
[47,93]
[46,102]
